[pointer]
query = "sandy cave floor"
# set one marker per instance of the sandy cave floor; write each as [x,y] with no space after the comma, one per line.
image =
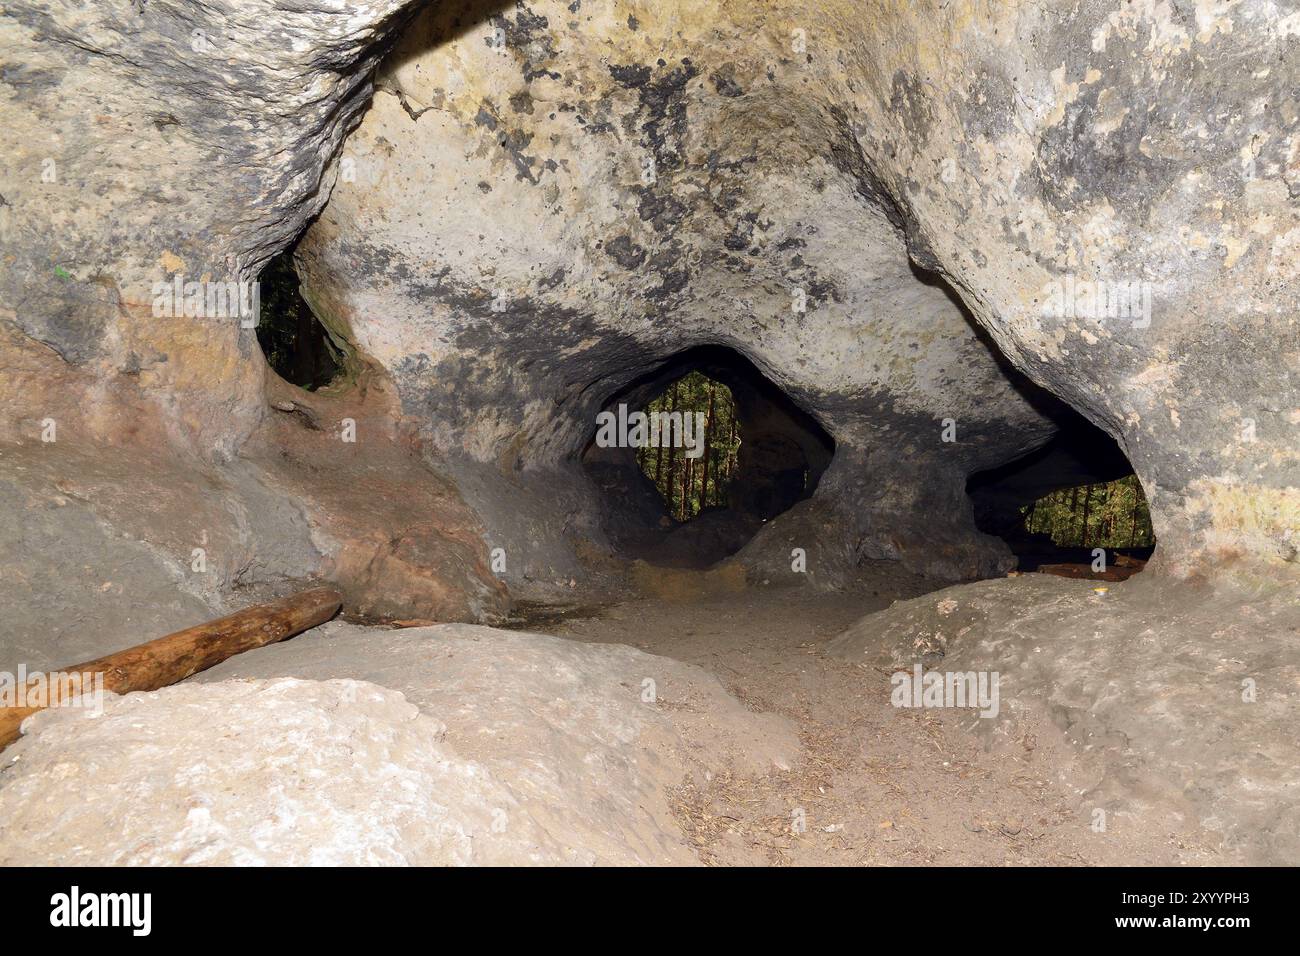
[759,722]
[877,784]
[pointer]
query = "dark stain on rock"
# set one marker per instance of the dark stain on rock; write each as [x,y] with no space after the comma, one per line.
[662,107]
[736,241]
[625,252]
[513,142]
[529,37]
[846,156]
[73,321]
[664,101]
[741,234]
[630,77]
[664,211]
[522,102]
[495,341]
[671,282]
[724,81]
[908,100]
[995,115]
[1076,164]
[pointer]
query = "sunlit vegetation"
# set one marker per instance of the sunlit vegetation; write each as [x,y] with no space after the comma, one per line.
[1110,515]
[691,484]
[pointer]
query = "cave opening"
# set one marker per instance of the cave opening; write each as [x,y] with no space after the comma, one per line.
[691,479]
[721,449]
[296,344]
[1074,507]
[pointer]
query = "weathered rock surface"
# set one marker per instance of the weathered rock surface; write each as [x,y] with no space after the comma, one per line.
[454,745]
[542,204]
[535,224]
[1183,697]
[350,775]
[108,546]
[1037,148]
[201,142]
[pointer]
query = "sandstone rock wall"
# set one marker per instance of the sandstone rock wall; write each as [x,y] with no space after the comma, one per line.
[549,203]
[1153,142]
[531,207]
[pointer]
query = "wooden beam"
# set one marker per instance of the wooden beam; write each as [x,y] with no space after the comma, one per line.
[175,657]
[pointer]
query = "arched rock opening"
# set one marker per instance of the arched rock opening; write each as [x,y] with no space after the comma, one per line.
[1073,506]
[294,341]
[778,455]
[606,181]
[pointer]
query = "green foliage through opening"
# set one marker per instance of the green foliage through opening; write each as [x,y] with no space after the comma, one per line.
[1110,515]
[688,485]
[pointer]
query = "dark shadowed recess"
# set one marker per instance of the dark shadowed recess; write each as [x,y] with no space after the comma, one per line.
[764,455]
[295,343]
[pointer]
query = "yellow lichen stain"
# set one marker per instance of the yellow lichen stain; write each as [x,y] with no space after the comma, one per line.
[171,262]
[1234,248]
[1263,520]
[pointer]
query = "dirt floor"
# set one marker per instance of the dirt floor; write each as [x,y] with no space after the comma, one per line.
[878,784]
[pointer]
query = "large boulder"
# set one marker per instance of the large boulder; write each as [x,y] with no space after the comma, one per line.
[447,745]
[1178,697]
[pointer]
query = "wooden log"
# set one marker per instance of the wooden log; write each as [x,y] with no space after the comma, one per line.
[177,656]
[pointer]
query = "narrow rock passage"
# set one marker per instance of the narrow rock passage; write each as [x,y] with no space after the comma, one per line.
[877,784]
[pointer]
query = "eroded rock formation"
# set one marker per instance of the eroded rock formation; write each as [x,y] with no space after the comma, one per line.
[932,225]
[549,204]
[542,203]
